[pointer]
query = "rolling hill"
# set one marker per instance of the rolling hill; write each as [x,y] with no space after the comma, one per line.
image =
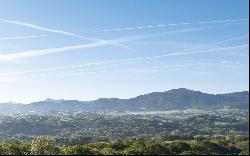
[176,99]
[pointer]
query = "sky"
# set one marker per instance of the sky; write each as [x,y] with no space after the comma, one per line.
[89,49]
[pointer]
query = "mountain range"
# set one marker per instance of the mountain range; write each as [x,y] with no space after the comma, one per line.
[175,99]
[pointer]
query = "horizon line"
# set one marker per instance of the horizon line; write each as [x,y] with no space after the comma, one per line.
[142,94]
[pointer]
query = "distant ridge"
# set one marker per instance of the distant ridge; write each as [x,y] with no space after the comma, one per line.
[175,99]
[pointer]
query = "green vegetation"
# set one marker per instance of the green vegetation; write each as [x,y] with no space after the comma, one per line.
[47,146]
[172,133]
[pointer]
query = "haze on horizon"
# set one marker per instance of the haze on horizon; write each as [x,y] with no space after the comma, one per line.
[85,50]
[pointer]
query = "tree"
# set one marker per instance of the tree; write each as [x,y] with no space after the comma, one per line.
[190,153]
[119,145]
[78,150]
[244,146]
[14,148]
[157,148]
[44,145]
[110,151]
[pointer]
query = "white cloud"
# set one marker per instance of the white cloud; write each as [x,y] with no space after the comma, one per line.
[36,53]
[33,26]
[22,37]
[180,53]
[172,24]
[41,28]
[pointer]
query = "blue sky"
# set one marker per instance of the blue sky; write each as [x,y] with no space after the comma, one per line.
[87,49]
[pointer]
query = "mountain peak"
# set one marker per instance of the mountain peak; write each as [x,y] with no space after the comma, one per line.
[181,90]
[175,99]
[49,100]
[53,100]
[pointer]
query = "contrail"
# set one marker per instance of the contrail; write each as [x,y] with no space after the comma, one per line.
[173,24]
[36,53]
[211,50]
[33,26]
[44,29]
[81,72]
[139,70]
[22,37]
[180,53]
[140,37]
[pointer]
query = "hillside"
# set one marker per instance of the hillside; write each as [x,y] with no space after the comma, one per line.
[176,99]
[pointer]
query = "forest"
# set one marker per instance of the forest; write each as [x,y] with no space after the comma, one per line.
[196,132]
[45,145]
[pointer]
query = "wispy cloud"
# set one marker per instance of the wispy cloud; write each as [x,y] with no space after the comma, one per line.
[36,53]
[22,37]
[171,24]
[27,54]
[139,70]
[180,53]
[33,26]
[196,70]
[185,30]
[8,79]
[210,50]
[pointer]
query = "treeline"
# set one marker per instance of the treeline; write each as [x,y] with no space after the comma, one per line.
[45,145]
[114,127]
